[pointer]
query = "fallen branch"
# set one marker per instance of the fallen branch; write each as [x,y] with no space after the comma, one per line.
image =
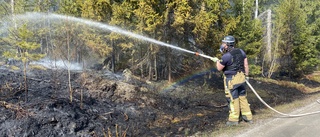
[35,79]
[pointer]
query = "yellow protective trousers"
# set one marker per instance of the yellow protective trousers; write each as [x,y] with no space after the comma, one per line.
[237,98]
[239,106]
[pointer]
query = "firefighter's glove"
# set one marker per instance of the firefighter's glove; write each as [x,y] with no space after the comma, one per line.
[214,59]
[247,78]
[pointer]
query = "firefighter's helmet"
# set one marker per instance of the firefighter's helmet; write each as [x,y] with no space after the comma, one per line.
[229,40]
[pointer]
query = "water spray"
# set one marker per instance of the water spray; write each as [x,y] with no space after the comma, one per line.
[33,15]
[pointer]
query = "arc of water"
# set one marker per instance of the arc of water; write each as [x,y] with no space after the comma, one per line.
[120,31]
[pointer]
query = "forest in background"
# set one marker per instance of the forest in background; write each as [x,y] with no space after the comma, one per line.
[196,25]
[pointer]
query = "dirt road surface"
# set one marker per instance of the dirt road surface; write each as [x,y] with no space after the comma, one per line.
[306,126]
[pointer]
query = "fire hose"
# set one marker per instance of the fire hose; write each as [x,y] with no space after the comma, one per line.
[254,91]
[286,115]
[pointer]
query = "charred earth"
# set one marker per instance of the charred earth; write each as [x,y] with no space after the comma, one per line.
[105,104]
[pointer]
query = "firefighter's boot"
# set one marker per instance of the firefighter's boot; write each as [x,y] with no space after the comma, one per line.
[245,119]
[232,123]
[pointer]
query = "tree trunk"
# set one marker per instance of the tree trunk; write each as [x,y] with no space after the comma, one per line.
[69,64]
[169,66]
[25,79]
[113,57]
[155,75]
[150,64]
[141,66]
[12,12]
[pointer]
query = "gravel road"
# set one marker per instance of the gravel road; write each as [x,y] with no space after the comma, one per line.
[306,126]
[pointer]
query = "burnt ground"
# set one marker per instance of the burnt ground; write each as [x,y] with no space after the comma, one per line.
[105,105]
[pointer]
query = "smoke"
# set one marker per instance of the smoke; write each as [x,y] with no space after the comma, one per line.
[58,64]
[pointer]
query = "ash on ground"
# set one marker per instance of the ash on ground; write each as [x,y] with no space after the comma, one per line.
[103,104]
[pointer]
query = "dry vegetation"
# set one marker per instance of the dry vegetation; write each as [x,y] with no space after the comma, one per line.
[112,107]
[299,86]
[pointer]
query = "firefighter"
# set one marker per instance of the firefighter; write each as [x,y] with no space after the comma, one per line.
[234,65]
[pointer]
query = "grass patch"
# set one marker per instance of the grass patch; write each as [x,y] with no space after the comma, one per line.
[37,67]
[290,84]
[12,67]
[315,76]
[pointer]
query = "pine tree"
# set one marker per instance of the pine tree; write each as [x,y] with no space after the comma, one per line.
[148,23]
[182,16]
[23,40]
[94,38]
[248,34]
[122,17]
[298,54]
[203,21]
[311,8]
[307,54]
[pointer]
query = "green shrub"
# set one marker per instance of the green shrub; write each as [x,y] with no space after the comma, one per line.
[254,70]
